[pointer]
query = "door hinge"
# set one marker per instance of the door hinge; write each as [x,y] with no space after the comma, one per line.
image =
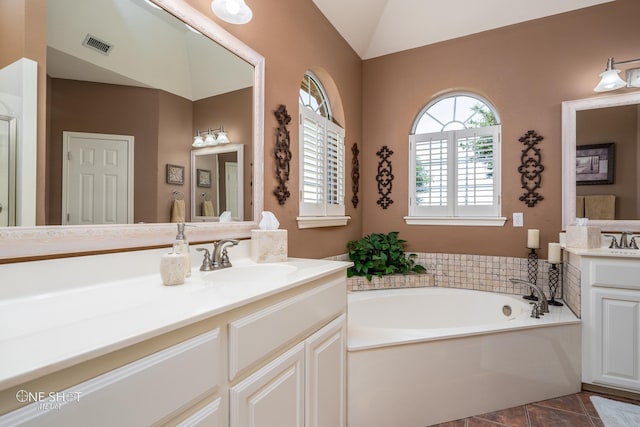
[68,218]
[68,155]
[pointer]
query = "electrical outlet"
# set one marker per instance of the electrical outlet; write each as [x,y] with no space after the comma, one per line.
[518,219]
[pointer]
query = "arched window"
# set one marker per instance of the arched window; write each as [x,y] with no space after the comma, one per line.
[321,155]
[455,162]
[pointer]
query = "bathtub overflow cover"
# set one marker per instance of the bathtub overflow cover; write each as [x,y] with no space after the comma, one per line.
[506,310]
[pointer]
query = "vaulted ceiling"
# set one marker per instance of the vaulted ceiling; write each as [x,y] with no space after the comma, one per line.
[379,27]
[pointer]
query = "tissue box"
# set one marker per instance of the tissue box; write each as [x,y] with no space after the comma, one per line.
[269,245]
[583,237]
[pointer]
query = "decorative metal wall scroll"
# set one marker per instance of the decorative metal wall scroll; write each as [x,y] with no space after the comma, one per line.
[384,177]
[355,175]
[531,168]
[282,153]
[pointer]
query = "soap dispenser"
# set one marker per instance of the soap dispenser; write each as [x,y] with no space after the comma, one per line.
[181,246]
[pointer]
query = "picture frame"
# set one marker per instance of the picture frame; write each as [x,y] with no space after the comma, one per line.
[595,164]
[175,174]
[203,178]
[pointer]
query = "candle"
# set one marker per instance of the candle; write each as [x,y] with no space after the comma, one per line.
[533,239]
[555,256]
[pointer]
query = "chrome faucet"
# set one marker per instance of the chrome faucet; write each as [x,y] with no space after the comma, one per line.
[625,243]
[220,255]
[542,306]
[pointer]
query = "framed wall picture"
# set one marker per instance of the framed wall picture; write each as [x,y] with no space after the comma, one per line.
[175,174]
[204,178]
[595,164]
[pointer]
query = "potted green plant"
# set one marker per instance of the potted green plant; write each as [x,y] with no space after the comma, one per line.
[381,254]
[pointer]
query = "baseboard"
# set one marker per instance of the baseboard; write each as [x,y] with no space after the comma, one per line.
[611,391]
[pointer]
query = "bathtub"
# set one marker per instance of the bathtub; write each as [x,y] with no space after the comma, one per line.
[423,356]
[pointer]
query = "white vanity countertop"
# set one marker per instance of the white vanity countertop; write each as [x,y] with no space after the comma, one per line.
[47,328]
[606,252]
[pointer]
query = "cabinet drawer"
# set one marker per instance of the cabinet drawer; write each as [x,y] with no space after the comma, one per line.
[143,392]
[615,273]
[254,337]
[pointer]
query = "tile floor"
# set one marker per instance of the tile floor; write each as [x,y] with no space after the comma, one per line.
[574,410]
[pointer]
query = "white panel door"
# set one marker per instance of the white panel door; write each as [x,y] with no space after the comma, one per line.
[231,190]
[4,172]
[616,347]
[326,370]
[97,179]
[272,396]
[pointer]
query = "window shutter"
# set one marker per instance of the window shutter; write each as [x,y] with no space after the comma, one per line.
[311,163]
[431,174]
[335,170]
[456,173]
[476,187]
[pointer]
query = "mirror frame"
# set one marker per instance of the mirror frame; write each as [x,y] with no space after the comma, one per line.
[18,243]
[569,111]
[216,149]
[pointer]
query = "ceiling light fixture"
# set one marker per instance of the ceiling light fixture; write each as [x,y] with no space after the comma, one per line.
[232,11]
[610,80]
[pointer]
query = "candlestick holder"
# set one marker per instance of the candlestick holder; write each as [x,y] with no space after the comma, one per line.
[532,270]
[554,277]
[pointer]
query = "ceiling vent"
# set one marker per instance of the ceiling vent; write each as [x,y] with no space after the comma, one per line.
[96,44]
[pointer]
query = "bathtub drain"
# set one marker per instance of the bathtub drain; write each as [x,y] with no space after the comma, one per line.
[506,310]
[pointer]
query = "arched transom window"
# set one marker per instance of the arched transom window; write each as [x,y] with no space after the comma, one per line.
[455,162]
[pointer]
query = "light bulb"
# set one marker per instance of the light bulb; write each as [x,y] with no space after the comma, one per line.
[233,7]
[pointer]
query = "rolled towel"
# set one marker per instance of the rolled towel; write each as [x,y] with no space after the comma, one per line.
[178,211]
[207,208]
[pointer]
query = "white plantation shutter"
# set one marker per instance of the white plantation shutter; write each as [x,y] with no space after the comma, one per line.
[456,173]
[476,189]
[321,166]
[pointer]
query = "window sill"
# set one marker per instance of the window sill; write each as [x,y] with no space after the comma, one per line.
[322,221]
[466,221]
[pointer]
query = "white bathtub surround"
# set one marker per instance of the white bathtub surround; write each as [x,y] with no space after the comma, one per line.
[407,374]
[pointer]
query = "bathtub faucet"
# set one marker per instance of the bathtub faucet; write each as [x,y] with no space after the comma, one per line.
[542,306]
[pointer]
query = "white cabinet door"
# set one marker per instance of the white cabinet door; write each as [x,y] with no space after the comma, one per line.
[273,395]
[616,343]
[325,376]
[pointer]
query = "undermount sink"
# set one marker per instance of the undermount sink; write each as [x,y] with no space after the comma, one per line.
[250,273]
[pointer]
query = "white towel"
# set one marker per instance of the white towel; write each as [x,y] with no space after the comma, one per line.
[178,211]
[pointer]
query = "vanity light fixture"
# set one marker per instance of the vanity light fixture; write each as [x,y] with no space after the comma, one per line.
[210,138]
[610,80]
[232,11]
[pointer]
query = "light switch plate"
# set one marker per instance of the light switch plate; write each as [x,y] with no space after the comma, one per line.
[518,219]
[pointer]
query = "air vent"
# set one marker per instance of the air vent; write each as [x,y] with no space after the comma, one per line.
[96,44]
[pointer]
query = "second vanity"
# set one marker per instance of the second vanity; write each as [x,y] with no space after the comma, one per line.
[98,340]
[610,311]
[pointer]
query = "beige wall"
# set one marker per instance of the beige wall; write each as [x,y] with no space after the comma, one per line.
[526,71]
[233,110]
[162,124]
[294,36]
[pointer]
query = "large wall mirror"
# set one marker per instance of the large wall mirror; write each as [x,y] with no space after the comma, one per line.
[169,72]
[601,161]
